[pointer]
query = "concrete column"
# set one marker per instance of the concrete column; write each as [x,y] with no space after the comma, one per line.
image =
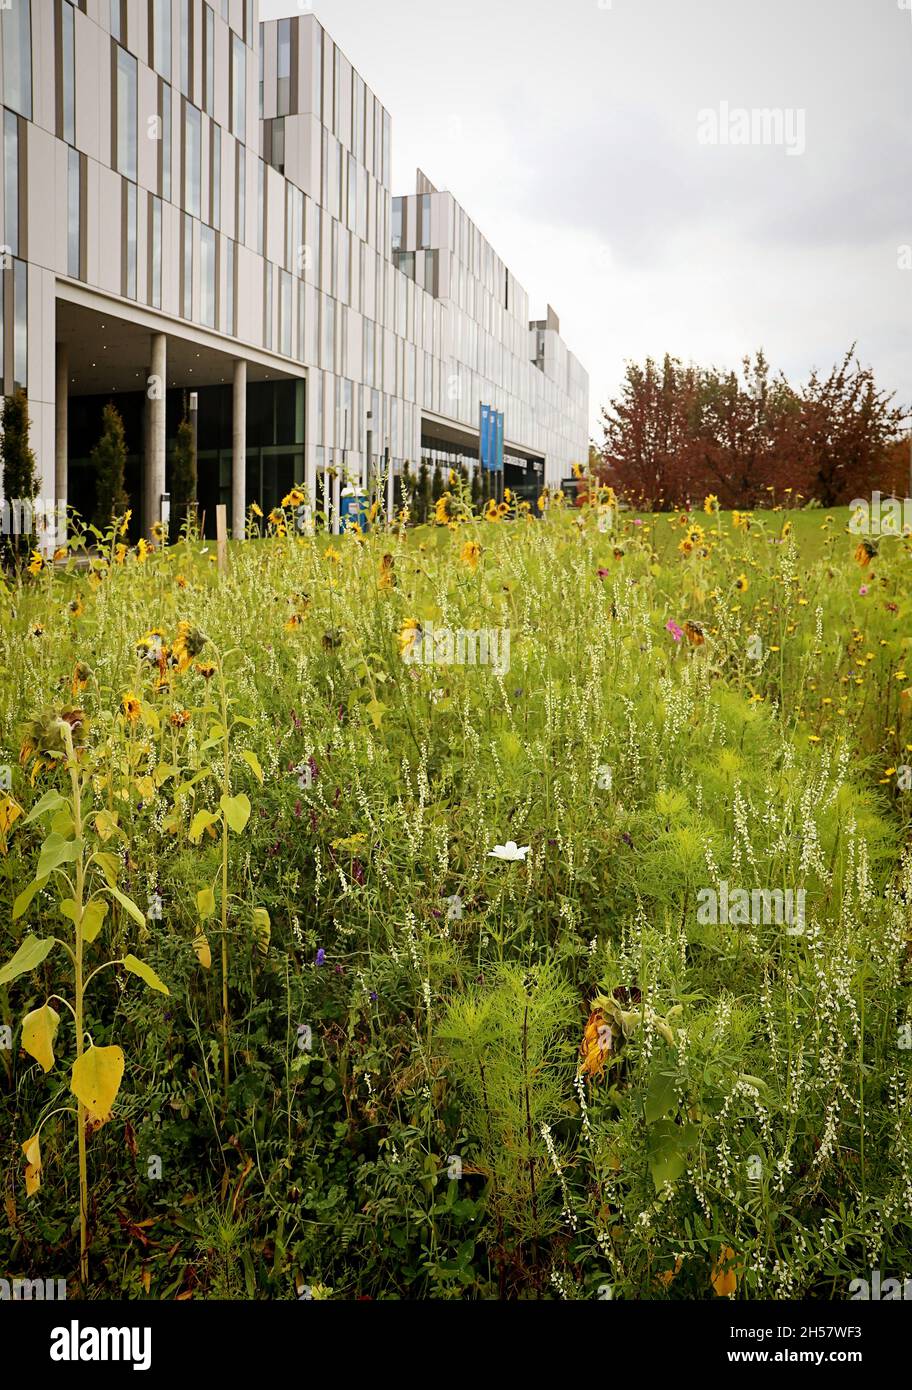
[155,454]
[61,402]
[239,452]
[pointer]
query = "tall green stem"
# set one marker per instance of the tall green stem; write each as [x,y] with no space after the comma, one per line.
[80,1109]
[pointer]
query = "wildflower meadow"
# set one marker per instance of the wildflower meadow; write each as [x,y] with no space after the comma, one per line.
[515,906]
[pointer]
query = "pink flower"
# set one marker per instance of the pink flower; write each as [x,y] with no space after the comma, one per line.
[603,574]
[637,521]
[676,632]
[863,590]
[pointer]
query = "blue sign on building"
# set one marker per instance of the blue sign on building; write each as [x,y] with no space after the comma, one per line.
[491,433]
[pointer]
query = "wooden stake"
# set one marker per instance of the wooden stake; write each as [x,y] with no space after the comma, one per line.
[221,537]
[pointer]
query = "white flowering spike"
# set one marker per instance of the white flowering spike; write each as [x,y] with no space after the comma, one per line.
[510,851]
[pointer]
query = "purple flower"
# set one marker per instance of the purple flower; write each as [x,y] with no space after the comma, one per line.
[672,627]
[603,573]
[321,956]
[374,995]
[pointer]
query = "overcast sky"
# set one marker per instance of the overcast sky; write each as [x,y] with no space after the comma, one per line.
[571,132]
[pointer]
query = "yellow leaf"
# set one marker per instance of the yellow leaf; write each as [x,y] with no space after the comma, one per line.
[32,1150]
[726,1273]
[261,929]
[39,1029]
[205,903]
[106,824]
[93,917]
[96,1078]
[203,953]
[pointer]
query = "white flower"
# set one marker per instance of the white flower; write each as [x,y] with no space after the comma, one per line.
[510,851]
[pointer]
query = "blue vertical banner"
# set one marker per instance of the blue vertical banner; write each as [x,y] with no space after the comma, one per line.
[484,433]
[499,450]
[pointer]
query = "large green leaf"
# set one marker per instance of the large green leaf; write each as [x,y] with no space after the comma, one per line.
[55,852]
[29,956]
[145,972]
[129,905]
[253,762]
[51,801]
[667,1147]
[237,811]
[21,904]
[661,1097]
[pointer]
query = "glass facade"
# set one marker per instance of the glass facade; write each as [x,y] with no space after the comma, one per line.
[207,276]
[126,113]
[11,182]
[16,22]
[73,214]
[156,252]
[68,87]
[161,37]
[192,160]
[130,246]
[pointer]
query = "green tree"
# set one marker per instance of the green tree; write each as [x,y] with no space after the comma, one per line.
[19,481]
[183,475]
[109,459]
[424,501]
[437,488]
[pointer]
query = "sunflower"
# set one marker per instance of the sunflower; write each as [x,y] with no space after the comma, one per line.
[741,584]
[386,579]
[710,504]
[295,498]
[80,678]
[595,1047]
[75,607]
[180,581]
[44,738]
[409,635]
[36,563]
[36,630]
[131,707]
[685,546]
[206,669]
[696,535]
[120,553]
[187,645]
[442,512]
[143,549]
[179,719]
[158,532]
[542,501]
[255,509]
[124,525]
[492,512]
[470,553]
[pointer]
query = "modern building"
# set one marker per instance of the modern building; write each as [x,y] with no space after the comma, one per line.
[195,215]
